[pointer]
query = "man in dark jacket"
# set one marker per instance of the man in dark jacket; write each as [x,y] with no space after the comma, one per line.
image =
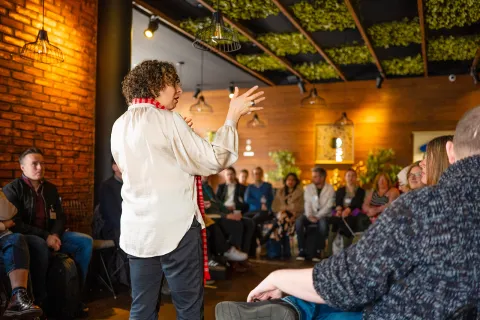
[232,193]
[40,218]
[419,260]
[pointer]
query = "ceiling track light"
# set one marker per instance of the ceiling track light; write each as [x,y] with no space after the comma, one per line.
[152,27]
[301,86]
[231,90]
[379,82]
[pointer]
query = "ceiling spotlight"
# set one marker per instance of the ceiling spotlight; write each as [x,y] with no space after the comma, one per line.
[152,27]
[231,90]
[301,85]
[474,75]
[379,82]
[197,92]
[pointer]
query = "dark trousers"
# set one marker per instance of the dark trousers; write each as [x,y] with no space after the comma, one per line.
[217,244]
[183,268]
[302,223]
[240,233]
[258,217]
[15,253]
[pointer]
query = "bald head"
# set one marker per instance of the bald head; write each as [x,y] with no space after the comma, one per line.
[466,141]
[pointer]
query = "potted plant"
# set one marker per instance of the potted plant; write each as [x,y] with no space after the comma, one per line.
[285,161]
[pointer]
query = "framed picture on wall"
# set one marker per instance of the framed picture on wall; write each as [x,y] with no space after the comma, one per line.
[334,144]
[420,140]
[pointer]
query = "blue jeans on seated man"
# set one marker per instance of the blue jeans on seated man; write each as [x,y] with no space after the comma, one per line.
[14,252]
[302,224]
[76,244]
[314,311]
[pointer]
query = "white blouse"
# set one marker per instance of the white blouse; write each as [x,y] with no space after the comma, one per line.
[159,155]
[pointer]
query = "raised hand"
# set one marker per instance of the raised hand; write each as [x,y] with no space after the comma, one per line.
[241,105]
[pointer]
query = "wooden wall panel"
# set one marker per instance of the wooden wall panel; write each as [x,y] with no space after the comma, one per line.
[383,118]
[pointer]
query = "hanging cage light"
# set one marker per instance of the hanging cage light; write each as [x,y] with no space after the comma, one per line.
[201,106]
[313,101]
[256,122]
[42,50]
[217,35]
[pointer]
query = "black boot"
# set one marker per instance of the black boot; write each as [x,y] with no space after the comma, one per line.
[263,310]
[21,306]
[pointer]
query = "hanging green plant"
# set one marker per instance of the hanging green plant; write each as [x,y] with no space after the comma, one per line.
[453,48]
[396,33]
[451,13]
[350,55]
[260,62]
[404,66]
[286,43]
[246,9]
[192,26]
[325,15]
[316,71]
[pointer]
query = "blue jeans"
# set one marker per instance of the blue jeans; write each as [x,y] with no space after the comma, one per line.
[15,254]
[314,311]
[78,245]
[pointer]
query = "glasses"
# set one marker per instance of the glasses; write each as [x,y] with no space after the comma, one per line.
[414,175]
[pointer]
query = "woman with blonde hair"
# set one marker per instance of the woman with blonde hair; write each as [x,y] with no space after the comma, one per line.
[382,195]
[435,161]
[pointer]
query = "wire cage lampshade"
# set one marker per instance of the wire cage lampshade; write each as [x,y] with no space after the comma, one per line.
[256,122]
[217,35]
[201,106]
[42,50]
[313,101]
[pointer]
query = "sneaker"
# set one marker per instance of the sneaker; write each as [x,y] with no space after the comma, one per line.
[316,259]
[235,255]
[301,256]
[263,310]
[215,266]
[21,307]
[209,282]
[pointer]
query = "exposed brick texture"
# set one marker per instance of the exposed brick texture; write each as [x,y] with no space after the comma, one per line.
[49,106]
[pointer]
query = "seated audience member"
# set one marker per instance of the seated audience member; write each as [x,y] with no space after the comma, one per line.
[408,266]
[259,197]
[243,177]
[232,193]
[319,197]
[290,197]
[348,216]
[414,176]
[16,259]
[435,161]
[40,218]
[214,206]
[381,196]
[402,180]
[111,205]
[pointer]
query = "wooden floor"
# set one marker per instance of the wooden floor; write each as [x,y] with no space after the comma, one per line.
[237,288]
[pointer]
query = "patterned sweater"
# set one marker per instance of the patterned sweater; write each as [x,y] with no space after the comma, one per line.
[420,260]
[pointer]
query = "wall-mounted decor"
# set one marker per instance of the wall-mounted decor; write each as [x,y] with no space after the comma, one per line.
[421,138]
[334,144]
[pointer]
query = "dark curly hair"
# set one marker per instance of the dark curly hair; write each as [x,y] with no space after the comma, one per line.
[148,78]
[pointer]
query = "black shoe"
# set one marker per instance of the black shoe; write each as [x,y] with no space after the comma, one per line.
[264,310]
[22,307]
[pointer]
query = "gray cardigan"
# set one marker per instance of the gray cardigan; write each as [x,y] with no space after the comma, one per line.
[420,260]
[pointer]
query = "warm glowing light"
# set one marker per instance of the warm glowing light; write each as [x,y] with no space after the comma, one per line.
[230,95]
[148,33]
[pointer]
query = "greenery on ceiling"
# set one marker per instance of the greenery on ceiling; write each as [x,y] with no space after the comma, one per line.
[451,13]
[350,55]
[316,71]
[246,9]
[286,43]
[192,26]
[260,62]
[395,33]
[453,48]
[324,15]
[404,66]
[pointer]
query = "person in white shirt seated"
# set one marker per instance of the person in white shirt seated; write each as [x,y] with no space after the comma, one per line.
[319,197]
[161,159]
[231,194]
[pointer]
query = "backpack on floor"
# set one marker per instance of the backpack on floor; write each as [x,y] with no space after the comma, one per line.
[63,287]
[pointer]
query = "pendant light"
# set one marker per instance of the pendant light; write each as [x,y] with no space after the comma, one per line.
[256,122]
[41,50]
[344,121]
[217,35]
[201,106]
[313,101]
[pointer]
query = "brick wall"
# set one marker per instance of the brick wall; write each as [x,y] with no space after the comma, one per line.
[50,107]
